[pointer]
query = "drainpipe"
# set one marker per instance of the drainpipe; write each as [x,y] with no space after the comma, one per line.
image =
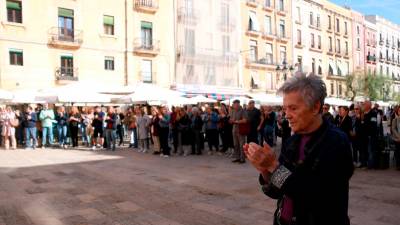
[126,45]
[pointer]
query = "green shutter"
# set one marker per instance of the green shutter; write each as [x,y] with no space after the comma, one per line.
[66,12]
[147,25]
[13,5]
[108,20]
[66,57]
[19,51]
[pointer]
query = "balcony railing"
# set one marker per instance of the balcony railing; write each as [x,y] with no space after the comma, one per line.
[268,35]
[381,42]
[61,37]
[252,3]
[283,37]
[146,46]
[147,6]
[188,15]
[66,73]
[260,63]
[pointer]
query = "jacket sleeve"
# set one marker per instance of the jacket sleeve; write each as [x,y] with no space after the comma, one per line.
[33,117]
[394,130]
[41,115]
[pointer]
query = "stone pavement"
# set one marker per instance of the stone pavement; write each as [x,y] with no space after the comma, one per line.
[79,187]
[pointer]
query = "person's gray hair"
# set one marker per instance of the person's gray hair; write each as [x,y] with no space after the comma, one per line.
[312,88]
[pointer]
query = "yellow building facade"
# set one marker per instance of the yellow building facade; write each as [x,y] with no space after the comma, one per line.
[266,52]
[61,42]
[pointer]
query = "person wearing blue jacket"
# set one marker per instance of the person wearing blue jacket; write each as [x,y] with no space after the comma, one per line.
[211,122]
[29,122]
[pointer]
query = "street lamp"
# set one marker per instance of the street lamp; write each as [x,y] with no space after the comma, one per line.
[284,68]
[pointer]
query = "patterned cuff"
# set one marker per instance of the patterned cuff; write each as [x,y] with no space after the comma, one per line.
[279,176]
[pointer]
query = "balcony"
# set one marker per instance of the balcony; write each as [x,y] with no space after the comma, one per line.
[227,24]
[393,47]
[252,3]
[346,35]
[147,77]
[268,36]
[329,30]
[268,8]
[281,12]
[387,44]
[338,54]
[368,43]
[371,59]
[299,45]
[253,33]
[66,75]
[259,63]
[283,38]
[146,6]
[337,33]
[381,59]
[315,49]
[148,47]
[330,52]
[346,55]
[188,15]
[60,37]
[381,42]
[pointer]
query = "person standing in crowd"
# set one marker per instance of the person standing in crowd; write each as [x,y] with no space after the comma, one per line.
[120,126]
[19,130]
[225,130]
[344,121]
[155,130]
[371,134]
[197,126]
[74,120]
[165,119]
[111,128]
[62,126]
[269,125]
[8,131]
[46,116]
[98,132]
[311,178]
[184,133]
[84,124]
[326,115]
[2,113]
[395,129]
[211,122]
[238,116]
[130,123]
[356,136]
[253,115]
[174,127]
[143,123]
[29,122]
[285,129]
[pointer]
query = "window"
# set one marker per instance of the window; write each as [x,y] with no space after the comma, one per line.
[330,44]
[345,28]
[340,89]
[347,68]
[108,24]
[329,23]
[337,26]
[332,90]
[283,54]
[253,51]
[190,45]
[268,3]
[147,75]
[190,78]
[16,57]
[253,22]
[298,37]
[313,66]
[146,35]
[14,12]
[312,41]
[210,75]
[226,44]
[225,14]
[66,24]
[319,67]
[67,65]
[339,70]
[319,42]
[311,19]
[282,28]
[300,63]
[269,54]
[318,21]
[109,63]
[268,28]
[281,5]
[298,16]
[338,46]
[346,44]
[358,43]
[330,70]
[381,70]
[358,30]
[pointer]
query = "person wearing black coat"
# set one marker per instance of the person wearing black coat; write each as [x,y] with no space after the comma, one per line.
[344,121]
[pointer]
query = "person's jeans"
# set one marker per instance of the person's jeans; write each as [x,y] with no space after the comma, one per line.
[62,134]
[30,132]
[85,138]
[111,136]
[371,153]
[164,134]
[47,131]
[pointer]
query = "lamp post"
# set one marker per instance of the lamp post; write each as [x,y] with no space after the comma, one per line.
[284,68]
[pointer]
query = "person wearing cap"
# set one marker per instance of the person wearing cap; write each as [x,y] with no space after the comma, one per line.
[238,116]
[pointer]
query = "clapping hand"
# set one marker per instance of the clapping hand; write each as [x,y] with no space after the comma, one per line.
[262,158]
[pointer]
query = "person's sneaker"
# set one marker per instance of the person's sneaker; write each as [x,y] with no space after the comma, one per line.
[65,146]
[94,148]
[161,155]
[166,156]
[145,151]
[43,147]
[236,160]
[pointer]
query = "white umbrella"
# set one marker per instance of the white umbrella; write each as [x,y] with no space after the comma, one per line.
[202,99]
[267,99]
[150,92]
[90,97]
[5,95]
[337,101]
[26,96]
[179,101]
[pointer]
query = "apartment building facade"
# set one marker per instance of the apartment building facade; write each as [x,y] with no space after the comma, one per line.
[338,35]
[370,57]
[74,41]
[358,36]
[266,50]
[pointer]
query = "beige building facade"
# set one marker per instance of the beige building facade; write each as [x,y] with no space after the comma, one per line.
[111,42]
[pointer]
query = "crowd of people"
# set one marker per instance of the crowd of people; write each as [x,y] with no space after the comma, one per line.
[185,130]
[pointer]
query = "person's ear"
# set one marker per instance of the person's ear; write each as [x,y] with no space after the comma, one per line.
[317,108]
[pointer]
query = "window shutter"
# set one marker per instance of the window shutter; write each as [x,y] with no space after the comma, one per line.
[108,20]
[13,5]
[66,12]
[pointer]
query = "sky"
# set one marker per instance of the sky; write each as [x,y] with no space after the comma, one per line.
[388,9]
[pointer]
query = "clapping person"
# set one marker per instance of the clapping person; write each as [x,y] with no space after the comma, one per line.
[62,126]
